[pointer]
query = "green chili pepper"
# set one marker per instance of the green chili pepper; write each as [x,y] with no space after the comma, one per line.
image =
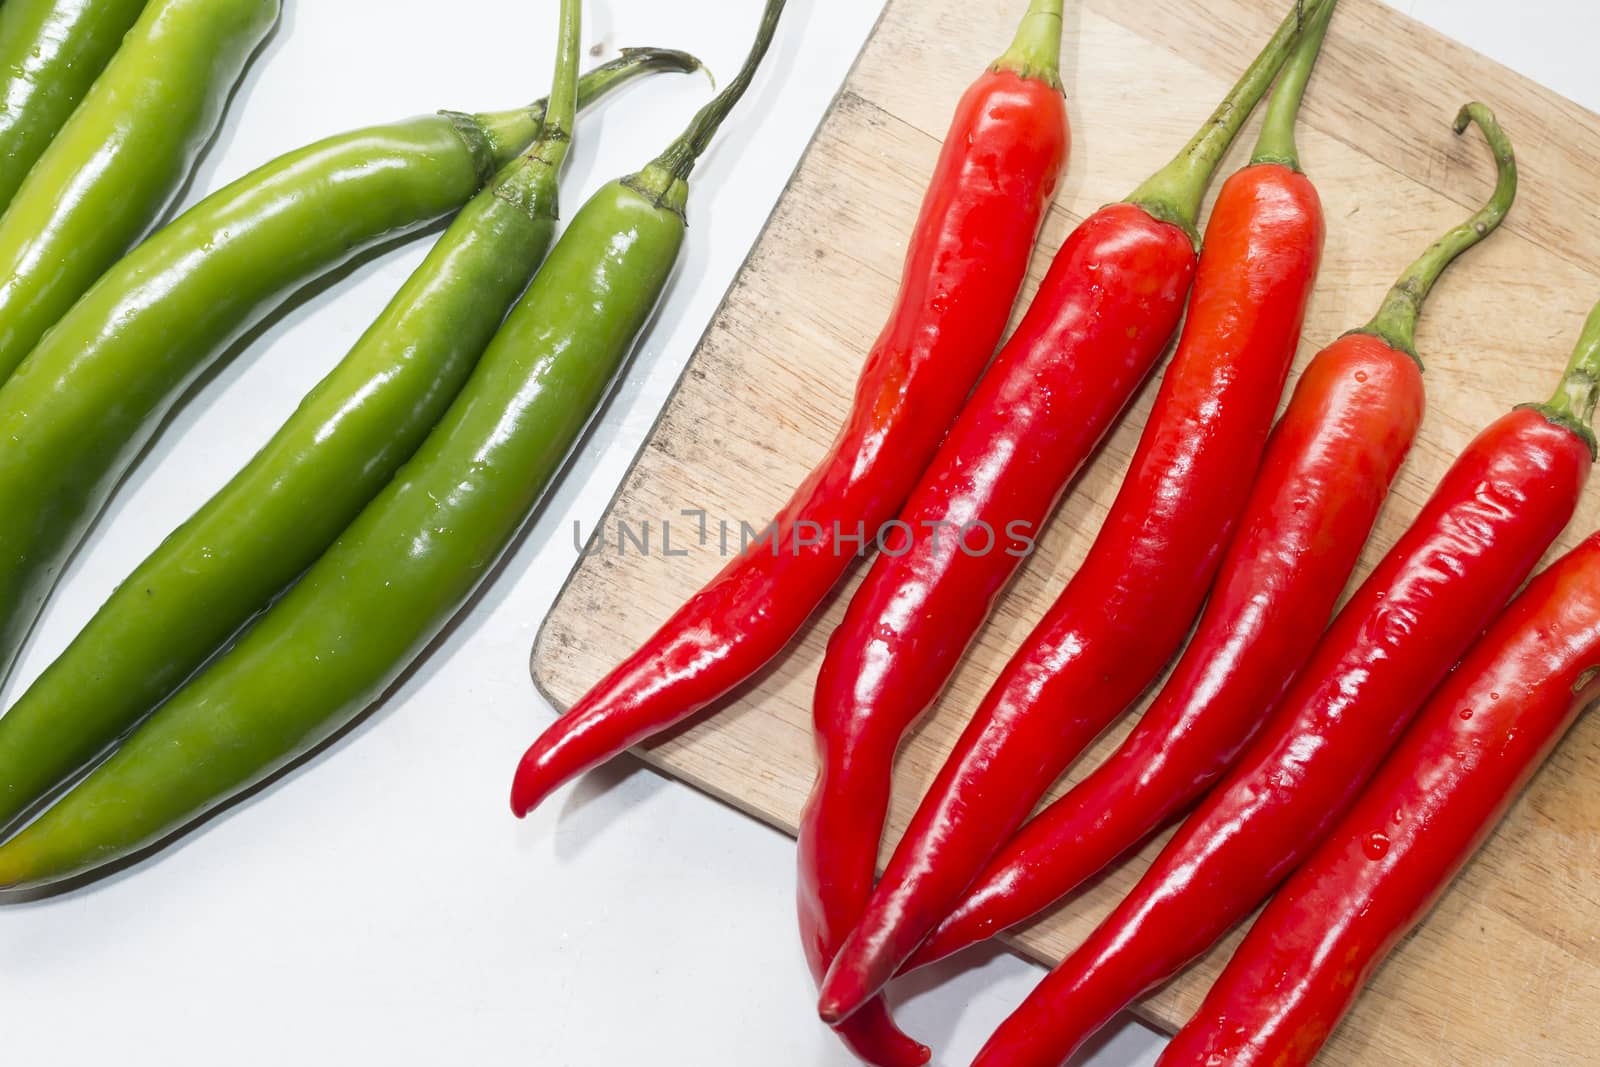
[297,495]
[51,51]
[120,158]
[82,406]
[337,640]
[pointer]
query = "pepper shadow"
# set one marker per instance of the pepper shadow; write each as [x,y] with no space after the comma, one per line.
[939,1028]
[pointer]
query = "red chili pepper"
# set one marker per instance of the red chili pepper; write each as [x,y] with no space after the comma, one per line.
[968,258]
[1474,747]
[1495,513]
[1131,603]
[1353,419]
[969,255]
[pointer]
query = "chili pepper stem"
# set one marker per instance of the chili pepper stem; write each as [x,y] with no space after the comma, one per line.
[562,113]
[1176,192]
[1396,321]
[1277,143]
[524,124]
[1574,404]
[534,183]
[1036,51]
[665,181]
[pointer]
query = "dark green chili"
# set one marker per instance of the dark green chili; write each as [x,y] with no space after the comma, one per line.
[80,408]
[120,158]
[297,495]
[341,636]
[51,51]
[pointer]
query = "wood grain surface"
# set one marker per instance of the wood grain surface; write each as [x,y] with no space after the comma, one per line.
[1507,969]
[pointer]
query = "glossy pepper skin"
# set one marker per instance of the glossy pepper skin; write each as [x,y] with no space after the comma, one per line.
[1454,774]
[415,554]
[51,51]
[968,257]
[1496,512]
[84,404]
[1480,534]
[1332,458]
[1131,603]
[1498,508]
[291,502]
[1121,274]
[375,600]
[120,159]
[967,260]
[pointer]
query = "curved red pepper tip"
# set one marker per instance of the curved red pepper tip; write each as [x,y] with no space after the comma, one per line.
[873,1038]
[530,787]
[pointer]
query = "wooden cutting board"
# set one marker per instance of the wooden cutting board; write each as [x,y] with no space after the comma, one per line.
[1507,970]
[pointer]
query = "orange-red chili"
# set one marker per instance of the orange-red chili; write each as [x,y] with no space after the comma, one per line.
[1497,510]
[1474,747]
[1128,608]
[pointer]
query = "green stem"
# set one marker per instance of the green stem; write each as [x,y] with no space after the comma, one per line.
[534,182]
[509,132]
[631,62]
[1575,400]
[561,114]
[665,180]
[1174,193]
[1036,52]
[1396,321]
[1277,143]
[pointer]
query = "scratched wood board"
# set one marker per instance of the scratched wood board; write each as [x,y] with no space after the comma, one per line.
[1507,969]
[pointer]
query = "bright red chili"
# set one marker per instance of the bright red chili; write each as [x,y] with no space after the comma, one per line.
[1332,458]
[1128,608]
[969,255]
[1352,421]
[967,261]
[1497,510]
[1474,747]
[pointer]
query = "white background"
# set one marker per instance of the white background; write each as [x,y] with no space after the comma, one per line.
[380,904]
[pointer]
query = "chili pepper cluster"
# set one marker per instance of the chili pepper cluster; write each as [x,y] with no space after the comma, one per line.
[296,595]
[1344,773]
[1338,775]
